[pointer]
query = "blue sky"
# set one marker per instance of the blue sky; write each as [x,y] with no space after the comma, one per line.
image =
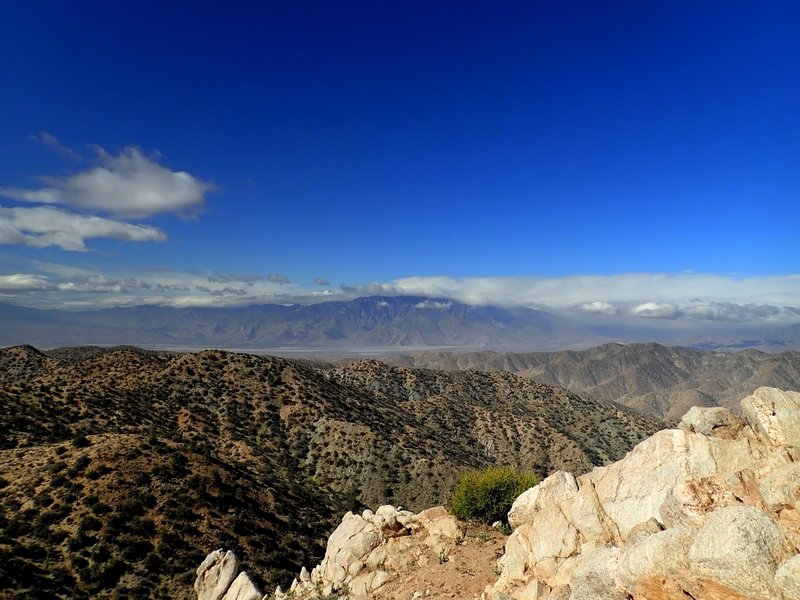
[489,151]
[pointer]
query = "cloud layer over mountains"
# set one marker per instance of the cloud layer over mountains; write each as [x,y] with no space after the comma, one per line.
[644,299]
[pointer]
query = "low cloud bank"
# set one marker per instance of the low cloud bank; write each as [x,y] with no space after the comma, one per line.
[639,295]
[719,311]
[645,298]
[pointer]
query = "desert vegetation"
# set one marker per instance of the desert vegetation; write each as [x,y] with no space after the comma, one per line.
[486,496]
[121,468]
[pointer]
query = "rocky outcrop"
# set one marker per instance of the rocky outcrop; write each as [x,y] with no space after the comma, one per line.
[709,510]
[365,550]
[218,578]
[362,555]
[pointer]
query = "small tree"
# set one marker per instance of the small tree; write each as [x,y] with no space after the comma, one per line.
[486,496]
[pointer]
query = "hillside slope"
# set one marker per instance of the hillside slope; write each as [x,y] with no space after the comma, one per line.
[705,511]
[658,380]
[199,450]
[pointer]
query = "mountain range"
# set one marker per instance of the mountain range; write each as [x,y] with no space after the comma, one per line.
[661,381]
[372,322]
[368,325]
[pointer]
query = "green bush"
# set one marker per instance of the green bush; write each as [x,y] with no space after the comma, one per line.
[486,496]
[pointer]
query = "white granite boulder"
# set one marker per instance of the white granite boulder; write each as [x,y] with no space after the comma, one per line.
[710,510]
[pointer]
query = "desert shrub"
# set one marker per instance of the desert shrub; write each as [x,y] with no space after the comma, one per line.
[79,465]
[81,441]
[98,471]
[59,481]
[89,523]
[486,496]
[43,500]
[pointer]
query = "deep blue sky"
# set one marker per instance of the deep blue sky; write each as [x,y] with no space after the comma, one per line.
[368,141]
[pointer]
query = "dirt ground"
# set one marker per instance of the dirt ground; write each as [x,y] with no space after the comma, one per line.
[463,571]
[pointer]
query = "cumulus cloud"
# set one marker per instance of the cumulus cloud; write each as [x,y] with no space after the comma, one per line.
[598,308]
[47,226]
[321,281]
[656,310]
[23,282]
[99,202]
[129,185]
[278,278]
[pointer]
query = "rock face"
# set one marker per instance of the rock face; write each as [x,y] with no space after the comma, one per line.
[709,510]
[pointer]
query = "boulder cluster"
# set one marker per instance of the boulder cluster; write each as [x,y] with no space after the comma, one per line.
[361,556]
[709,511]
[219,578]
[366,549]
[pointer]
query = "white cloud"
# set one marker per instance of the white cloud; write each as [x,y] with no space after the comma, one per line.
[66,286]
[738,313]
[46,226]
[625,290]
[435,304]
[99,284]
[598,308]
[129,185]
[40,196]
[23,282]
[656,310]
